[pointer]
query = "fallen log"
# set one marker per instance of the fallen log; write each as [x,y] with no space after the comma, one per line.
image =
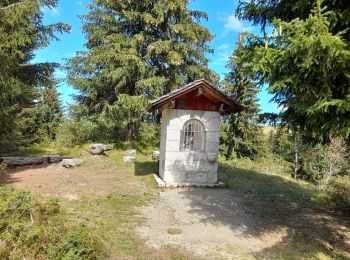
[22,161]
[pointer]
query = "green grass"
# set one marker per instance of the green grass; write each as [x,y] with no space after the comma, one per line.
[49,149]
[264,185]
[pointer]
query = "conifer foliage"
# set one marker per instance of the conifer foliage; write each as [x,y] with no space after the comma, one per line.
[138,48]
[21,33]
[244,133]
[307,69]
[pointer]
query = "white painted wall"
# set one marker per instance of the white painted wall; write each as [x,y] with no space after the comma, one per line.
[188,167]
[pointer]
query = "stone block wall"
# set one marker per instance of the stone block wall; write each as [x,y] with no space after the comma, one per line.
[188,167]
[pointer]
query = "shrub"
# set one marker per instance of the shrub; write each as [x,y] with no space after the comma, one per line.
[3,167]
[32,230]
[148,135]
[338,190]
[73,133]
[269,164]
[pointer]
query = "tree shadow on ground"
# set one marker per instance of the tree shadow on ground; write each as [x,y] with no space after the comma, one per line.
[261,205]
[7,177]
[146,168]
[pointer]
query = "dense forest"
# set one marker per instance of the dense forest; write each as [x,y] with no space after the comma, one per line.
[139,50]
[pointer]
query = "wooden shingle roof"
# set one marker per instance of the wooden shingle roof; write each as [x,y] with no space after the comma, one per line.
[211,92]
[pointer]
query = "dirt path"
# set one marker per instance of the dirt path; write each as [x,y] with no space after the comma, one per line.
[53,180]
[223,224]
[206,222]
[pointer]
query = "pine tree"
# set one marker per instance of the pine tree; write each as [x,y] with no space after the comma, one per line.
[244,138]
[138,48]
[22,32]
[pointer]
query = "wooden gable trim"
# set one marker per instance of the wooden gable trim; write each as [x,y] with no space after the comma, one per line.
[208,90]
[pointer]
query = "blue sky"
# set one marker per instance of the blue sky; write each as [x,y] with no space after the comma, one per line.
[222,23]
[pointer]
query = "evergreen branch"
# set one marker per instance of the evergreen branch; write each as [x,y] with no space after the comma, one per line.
[10,6]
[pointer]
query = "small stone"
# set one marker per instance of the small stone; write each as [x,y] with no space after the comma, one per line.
[155,155]
[128,159]
[131,151]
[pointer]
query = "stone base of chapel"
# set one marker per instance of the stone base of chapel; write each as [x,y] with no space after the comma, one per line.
[163,184]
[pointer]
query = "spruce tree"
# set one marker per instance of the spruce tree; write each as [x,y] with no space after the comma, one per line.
[307,70]
[22,32]
[264,12]
[138,48]
[49,110]
[244,136]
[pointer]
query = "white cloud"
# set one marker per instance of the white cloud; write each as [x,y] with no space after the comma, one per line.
[60,74]
[51,11]
[232,23]
[224,52]
[223,47]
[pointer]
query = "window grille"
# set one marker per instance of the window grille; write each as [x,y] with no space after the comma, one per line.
[192,136]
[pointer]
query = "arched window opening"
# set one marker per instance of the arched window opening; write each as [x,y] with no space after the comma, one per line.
[192,136]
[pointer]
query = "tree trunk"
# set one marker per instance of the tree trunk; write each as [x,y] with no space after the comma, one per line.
[296,161]
[229,150]
[132,132]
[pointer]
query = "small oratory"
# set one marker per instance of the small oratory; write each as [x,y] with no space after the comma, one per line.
[190,133]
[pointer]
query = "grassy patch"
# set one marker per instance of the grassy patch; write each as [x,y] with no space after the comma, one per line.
[29,229]
[272,186]
[49,149]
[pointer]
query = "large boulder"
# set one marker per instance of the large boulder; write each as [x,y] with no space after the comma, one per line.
[22,161]
[68,163]
[98,149]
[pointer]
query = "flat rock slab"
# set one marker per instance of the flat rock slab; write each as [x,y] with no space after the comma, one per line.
[68,163]
[128,159]
[131,151]
[22,161]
